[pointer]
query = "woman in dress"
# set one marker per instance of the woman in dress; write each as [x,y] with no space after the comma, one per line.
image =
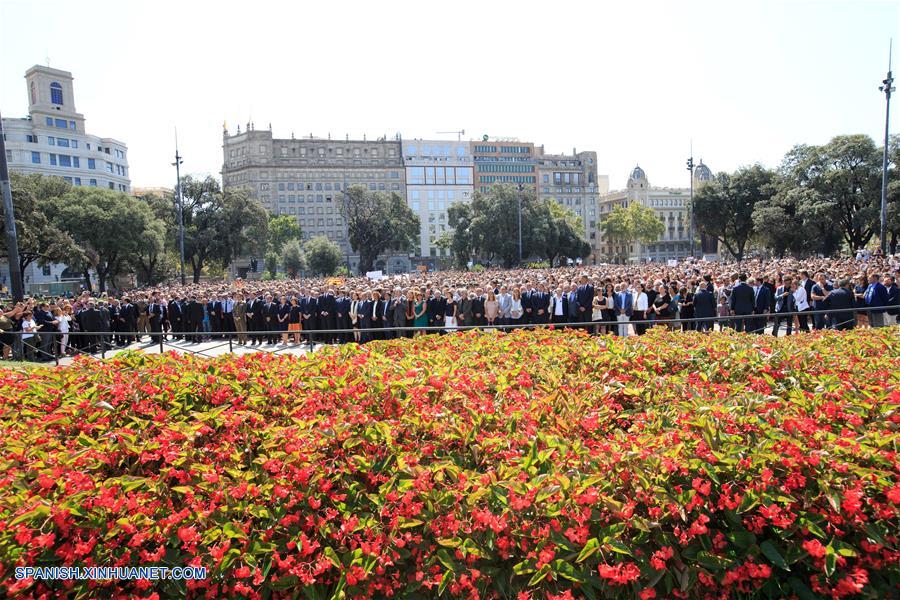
[609,313]
[284,316]
[597,308]
[687,308]
[294,320]
[661,304]
[516,312]
[421,315]
[491,307]
[450,310]
[354,315]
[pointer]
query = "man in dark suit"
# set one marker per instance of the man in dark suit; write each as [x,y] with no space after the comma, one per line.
[527,312]
[156,314]
[270,314]
[742,303]
[704,307]
[193,318]
[175,320]
[876,296]
[89,319]
[841,304]
[760,306]
[478,317]
[436,307]
[105,326]
[572,313]
[584,299]
[540,305]
[128,320]
[327,318]
[784,303]
[342,316]
[364,313]
[893,290]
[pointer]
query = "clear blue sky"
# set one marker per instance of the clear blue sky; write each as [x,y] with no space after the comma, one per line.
[634,81]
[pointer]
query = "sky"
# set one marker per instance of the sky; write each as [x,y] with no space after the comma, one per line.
[638,82]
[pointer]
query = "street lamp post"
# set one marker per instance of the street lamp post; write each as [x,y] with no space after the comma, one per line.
[690,168]
[520,189]
[180,200]
[12,243]
[887,87]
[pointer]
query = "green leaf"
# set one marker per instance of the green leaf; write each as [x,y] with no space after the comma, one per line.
[565,569]
[589,549]
[830,561]
[769,550]
[445,581]
[539,576]
[618,547]
[802,591]
[233,531]
[445,560]
[742,539]
[407,523]
[331,555]
[712,561]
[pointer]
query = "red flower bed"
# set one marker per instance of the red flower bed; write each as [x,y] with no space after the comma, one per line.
[533,465]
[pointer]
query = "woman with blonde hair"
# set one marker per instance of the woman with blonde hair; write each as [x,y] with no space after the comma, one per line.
[354,314]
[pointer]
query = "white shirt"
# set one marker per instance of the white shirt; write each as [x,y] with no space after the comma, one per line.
[28,324]
[800,298]
[63,324]
[640,301]
[557,305]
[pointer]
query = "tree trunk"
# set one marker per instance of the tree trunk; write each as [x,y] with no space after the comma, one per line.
[87,280]
[366,262]
[101,280]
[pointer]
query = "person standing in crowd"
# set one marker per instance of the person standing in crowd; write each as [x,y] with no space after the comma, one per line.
[584,299]
[559,307]
[450,311]
[505,301]
[686,309]
[862,318]
[128,320]
[175,318]
[807,284]
[876,297]
[464,312]
[893,290]
[228,314]
[492,309]
[762,301]
[661,308]
[540,305]
[92,326]
[355,314]
[342,316]
[239,314]
[270,312]
[841,306]
[818,294]
[742,303]
[105,327]
[436,307]
[365,308]
[801,300]
[785,303]
[63,328]
[327,320]
[704,308]
[641,309]
[30,339]
[143,321]
[420,311]
[283,319]
[399,307]
[623,307]
[156,314]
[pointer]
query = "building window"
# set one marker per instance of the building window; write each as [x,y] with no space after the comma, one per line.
[72,125]
[74,143]
[49,121]
[109,167]
[51,141]
[75,162]
[94,182]
[36,158]
[112,186]
[65,160]
[78,181]
[56,96]
[53,160]
[61,123]
[62,142]
[92,164]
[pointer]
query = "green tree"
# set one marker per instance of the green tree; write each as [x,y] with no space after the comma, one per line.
[494,226]
[723,208]
[219,226]
[378,222]
[39,238]
[292,258]
[844,182]
[158,250]
[565,235]
[458,240]
[271,264]
[281,230]
[322,255]
[893,197]
[636,223]
[107,225]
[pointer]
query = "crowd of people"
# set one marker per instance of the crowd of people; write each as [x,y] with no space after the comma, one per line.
[622,300]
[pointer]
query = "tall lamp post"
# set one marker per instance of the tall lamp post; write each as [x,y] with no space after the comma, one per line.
[180,200]
[887,87]
[12,243]
[690,168]
[521,189]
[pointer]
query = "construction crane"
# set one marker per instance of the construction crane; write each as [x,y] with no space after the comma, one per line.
[459,134]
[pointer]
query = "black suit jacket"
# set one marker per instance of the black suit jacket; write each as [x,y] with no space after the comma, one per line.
[839,299]
[742,299]
[704,304]
[584,298]
[763,300]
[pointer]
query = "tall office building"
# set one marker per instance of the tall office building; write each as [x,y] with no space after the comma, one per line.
[306,177]
[503,160]
[572,180]
[52,140]
[672,205]
[438,174]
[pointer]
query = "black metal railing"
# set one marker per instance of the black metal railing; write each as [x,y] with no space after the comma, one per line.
[99,342]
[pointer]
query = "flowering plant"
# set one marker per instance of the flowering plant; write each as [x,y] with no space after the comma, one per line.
[537,464]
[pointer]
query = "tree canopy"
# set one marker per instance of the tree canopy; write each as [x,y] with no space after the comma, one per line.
[636,223]
[322,255]
[378,222]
